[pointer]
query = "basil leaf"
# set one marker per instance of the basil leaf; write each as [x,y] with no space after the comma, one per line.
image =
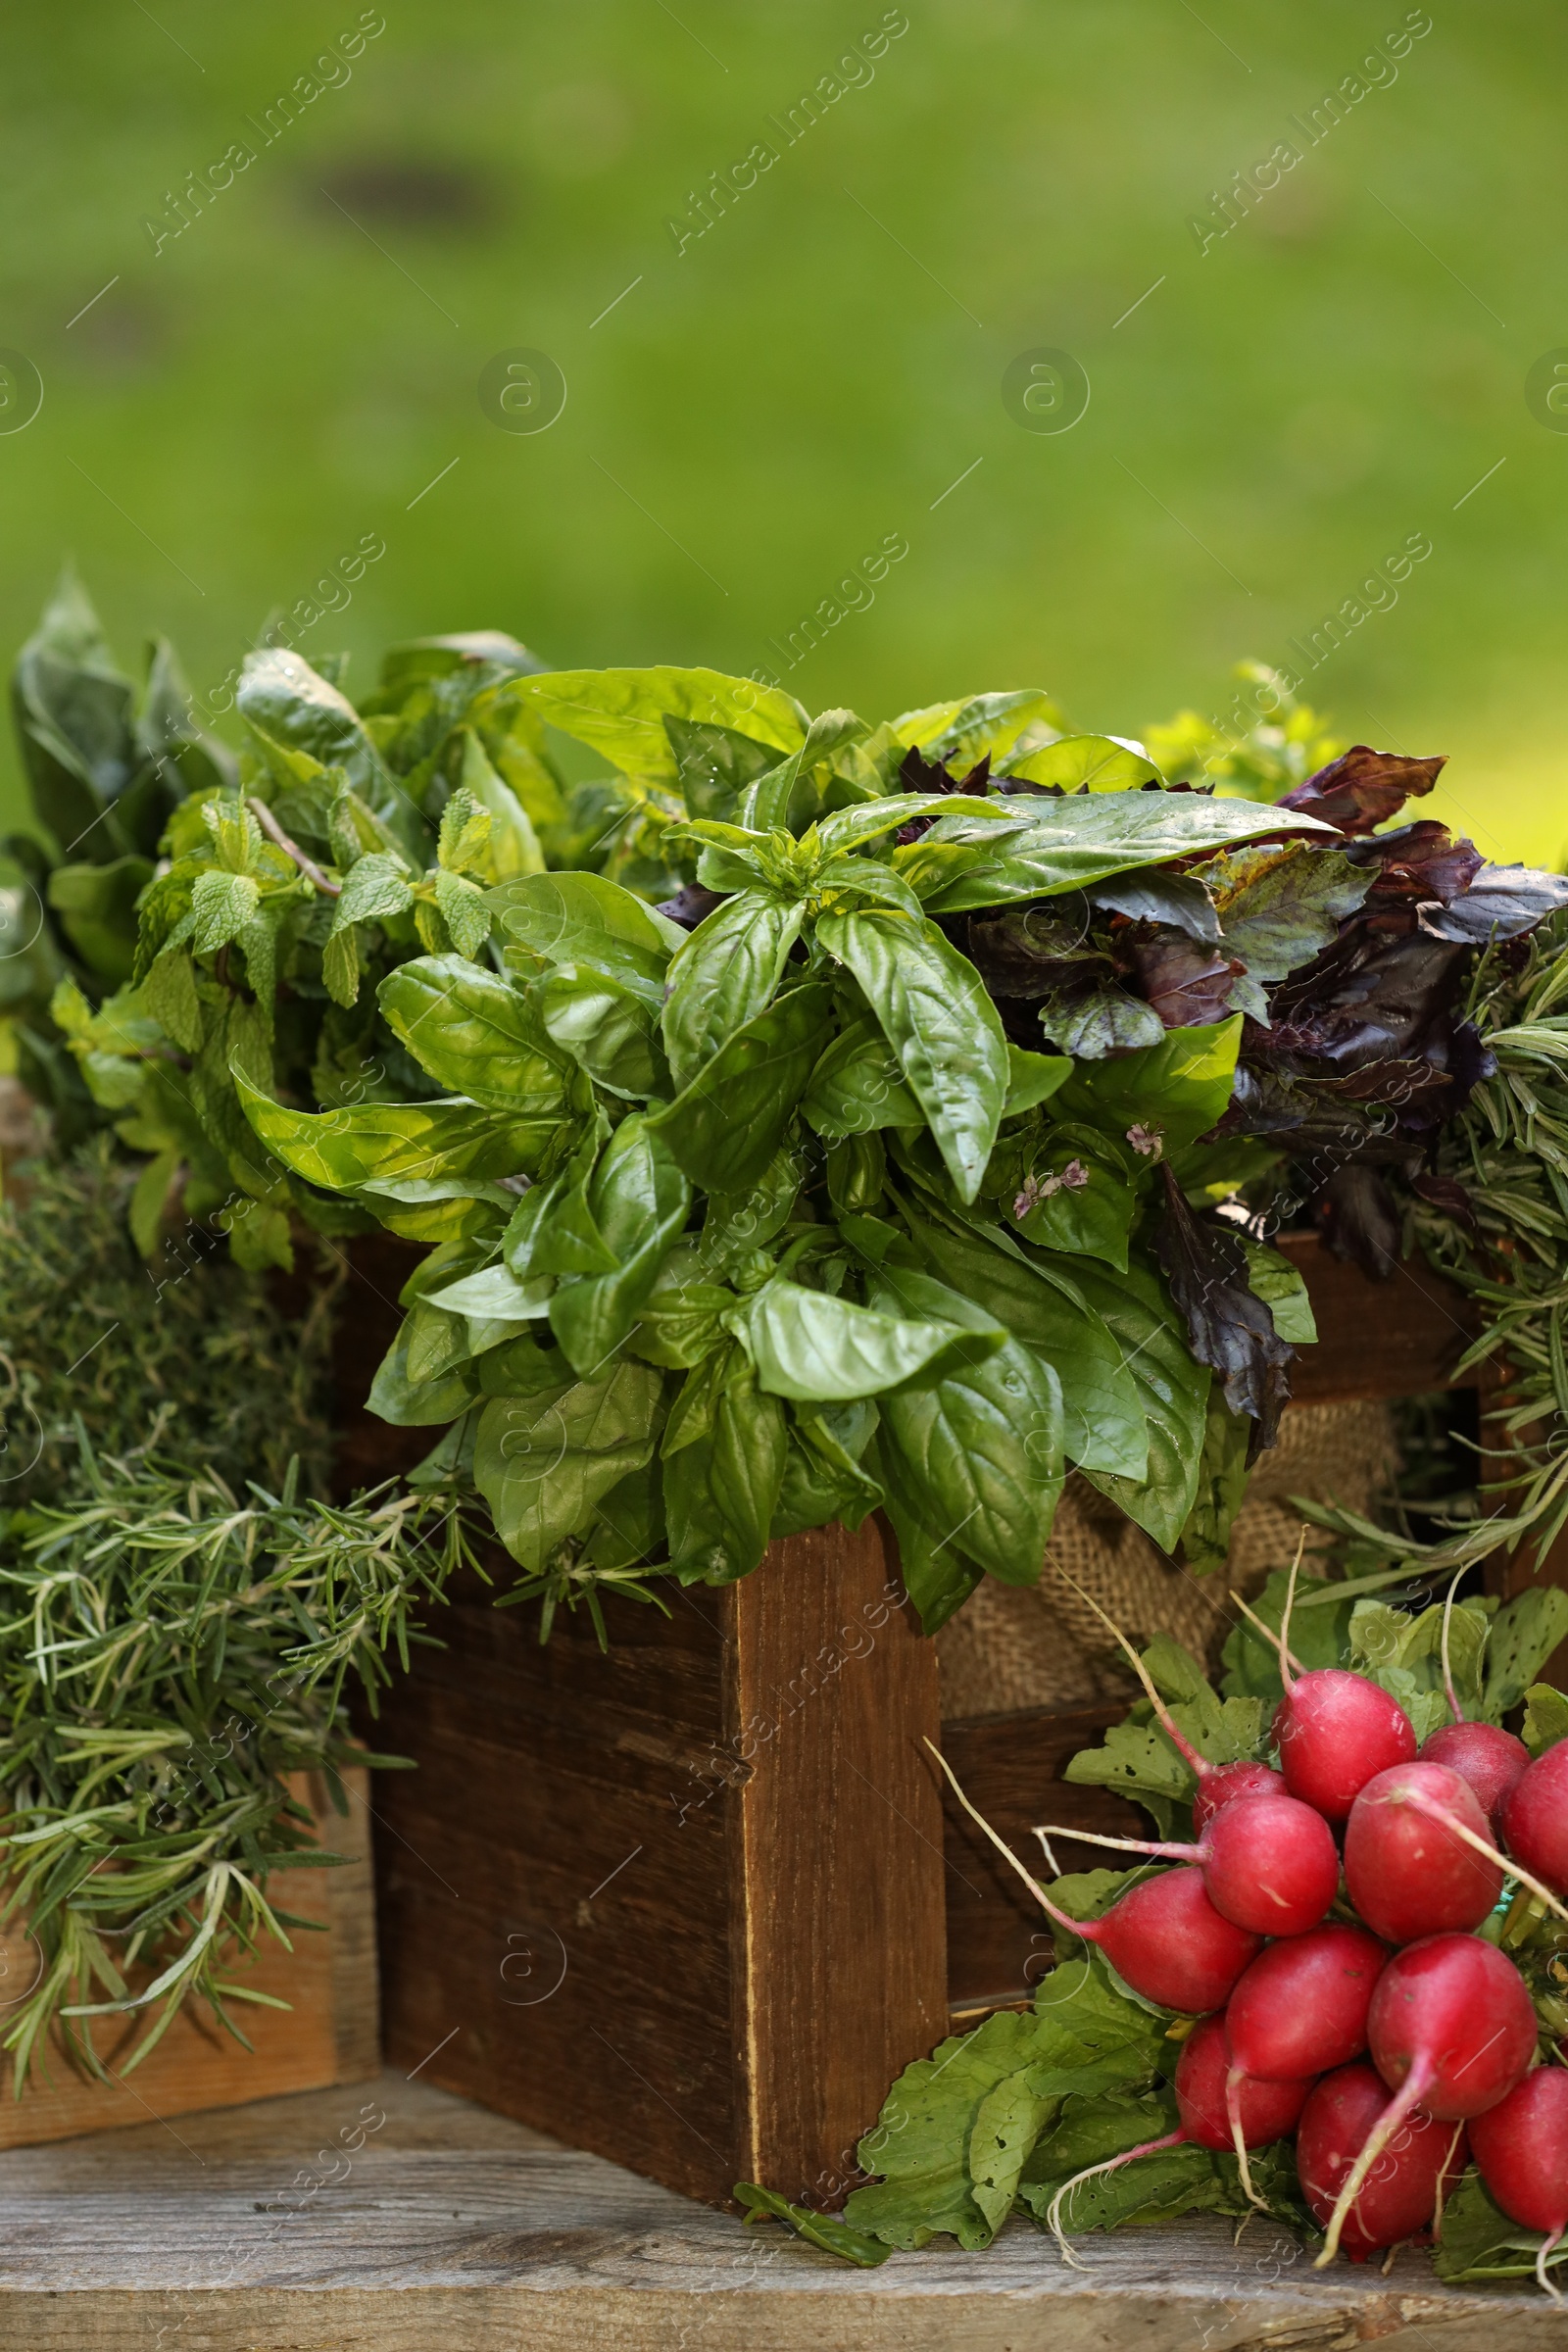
[1076,763]
[1071,842]
[585,920]
[474,1034]
[822,1479]
[1173,1091]
[715,764]
[1158,896]
[810,1344]
[976,1442]
[638,1200]
[609,1029]
[291,710]
[340,1148]
[1278,907]
[787,798]
[737,1224]
[410,1401]
[621,713]
[725,974]
[857,1085]
[495,1294]
[1033,1078]
[729,1122]
[1273,1279]
[1223,1472]
[543,1463]
[937,1576]
[721,1490]
[1105,1427]
[1076,1197]
[1172,1389]
[940,1022]
[961,733]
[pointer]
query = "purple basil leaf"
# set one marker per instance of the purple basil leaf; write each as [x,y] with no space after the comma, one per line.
[1501,901]
[1359,1220]
[1228,1326]
[1419,862]
[1362,789]
[1188,983]
[1448,1194]
[692,905]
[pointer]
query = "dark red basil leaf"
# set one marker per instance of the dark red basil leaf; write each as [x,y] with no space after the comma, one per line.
[1228,1327]
[1363,787]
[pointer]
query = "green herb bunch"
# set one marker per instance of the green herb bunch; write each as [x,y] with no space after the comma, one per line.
[171,1651]
[189,1354]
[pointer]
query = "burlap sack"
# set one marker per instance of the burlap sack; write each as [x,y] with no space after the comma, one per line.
[1042,1645]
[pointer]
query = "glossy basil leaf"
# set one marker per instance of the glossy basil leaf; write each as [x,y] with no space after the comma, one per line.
[1158,896]
[1069,843]
[728,1124]
[726,973]
[434,1208]
[1077,1196]
[495,1294]
[97,909]
[974,1444]
[629,1522]
[963,733]
[852,828]
[1105,1427]
[823,1479]
[787,797]
[721,1490]
[857,1085]
[1172,1389]
[1278,907]
[1272,1278]
[1084,763]
[543,1463]
[682,1321]
[811,1346]
[291,710]
[936,1575]
[340,1148]
[609,1029]
[621,713]
[736,1224]
[563,1236]
[1032,1079]
[1223,1475]
[476,1034]
[1090,1021]
[412,1401]
[638,1200]
[941,1024]
[587,921]
[715,764]
[1173,1091]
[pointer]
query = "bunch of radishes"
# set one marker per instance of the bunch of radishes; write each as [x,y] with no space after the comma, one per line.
[1291,2006]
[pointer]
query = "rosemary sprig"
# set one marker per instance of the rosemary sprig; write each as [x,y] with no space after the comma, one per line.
[170,1654]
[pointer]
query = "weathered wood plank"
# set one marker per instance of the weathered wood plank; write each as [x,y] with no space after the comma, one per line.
[447,2225]
[1397,1338]
[840,1946]
[1010,1766]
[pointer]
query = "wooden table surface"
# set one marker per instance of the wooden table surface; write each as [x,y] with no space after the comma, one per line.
[454,2231]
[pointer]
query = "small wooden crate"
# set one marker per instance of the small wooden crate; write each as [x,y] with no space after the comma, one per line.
[694,1904]
[330,2033]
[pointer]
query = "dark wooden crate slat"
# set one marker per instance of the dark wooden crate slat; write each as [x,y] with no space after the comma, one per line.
[1010,1766]
[1399,1338]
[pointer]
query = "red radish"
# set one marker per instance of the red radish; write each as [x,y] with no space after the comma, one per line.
[1534,1818]
[1334,1730]
[1217,1784]
[1299,2009]
[1451,2029]
[1408,1873]
[1406,2187]
[1267,2112]
[1163,1937]
[1302,2007]
[1269,1863]
[1485,1755]
[1522,2148]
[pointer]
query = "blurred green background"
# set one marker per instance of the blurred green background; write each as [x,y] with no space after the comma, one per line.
[299,368]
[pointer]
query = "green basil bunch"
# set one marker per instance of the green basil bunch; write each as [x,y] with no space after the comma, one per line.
[740,1230]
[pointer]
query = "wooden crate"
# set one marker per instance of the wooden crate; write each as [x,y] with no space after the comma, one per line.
[694,1903]
[330,2033]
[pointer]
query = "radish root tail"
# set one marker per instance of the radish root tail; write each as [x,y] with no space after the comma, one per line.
[1393,2114]
[1126,1846]
[1167,1722]
[1094,2172]
[1548,2245]
[1504,1862]
[1443,2188]
[1003,1848]
[1286,1659]
[1233,2116]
